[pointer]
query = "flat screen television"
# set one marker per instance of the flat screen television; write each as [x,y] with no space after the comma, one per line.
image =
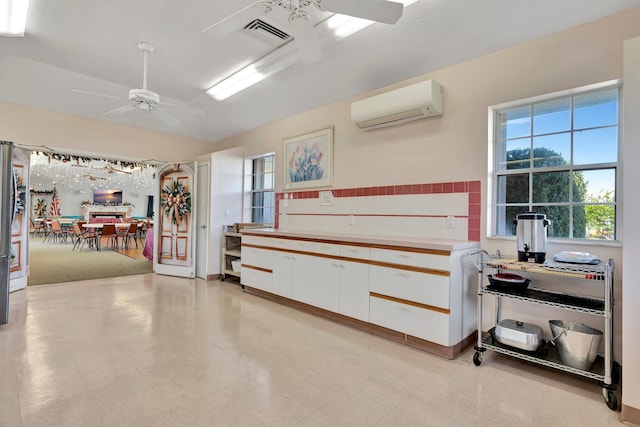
[107,195]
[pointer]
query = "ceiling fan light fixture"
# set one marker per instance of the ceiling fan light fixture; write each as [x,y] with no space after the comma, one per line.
[244,78]
[13,17]
[342,26]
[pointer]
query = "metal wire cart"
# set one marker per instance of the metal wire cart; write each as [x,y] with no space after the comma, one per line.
[605,370]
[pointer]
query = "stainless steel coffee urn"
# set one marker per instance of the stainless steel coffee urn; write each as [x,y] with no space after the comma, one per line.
[531,232]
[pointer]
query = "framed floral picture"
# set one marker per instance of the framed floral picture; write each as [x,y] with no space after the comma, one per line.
[308,160]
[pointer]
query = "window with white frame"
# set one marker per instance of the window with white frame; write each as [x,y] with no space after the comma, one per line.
[559,155]
[262,189]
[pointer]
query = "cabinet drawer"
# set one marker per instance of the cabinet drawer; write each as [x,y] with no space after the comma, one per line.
[358,252]
[327,248]
[298,245]
[415,321]
[259,240]
[424,288]
[257,279]
[257,257]
[415,259]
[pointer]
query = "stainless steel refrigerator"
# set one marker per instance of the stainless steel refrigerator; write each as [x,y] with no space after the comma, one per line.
[6,218]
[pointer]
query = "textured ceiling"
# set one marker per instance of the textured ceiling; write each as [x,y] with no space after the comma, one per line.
[91,45]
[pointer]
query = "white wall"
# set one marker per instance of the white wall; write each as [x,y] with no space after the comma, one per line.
[227,176]
[34,127]
[631,253]
[454,147]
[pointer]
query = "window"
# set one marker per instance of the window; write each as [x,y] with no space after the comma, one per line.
[262,194]
[559,155]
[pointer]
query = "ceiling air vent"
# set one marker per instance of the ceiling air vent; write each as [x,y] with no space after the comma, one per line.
[264,30]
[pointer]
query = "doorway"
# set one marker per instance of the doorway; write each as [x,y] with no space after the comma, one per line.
[77,188]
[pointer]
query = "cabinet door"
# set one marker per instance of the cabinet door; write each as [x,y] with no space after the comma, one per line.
[326,285]
[354,290]
[302,278]
[282,273]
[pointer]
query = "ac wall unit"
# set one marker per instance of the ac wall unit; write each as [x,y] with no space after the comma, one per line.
[409,103]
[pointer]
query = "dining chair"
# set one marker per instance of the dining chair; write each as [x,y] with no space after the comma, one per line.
[131,233]
[36,229]
[83,236]
[109,231]
[121,235]
[57,232]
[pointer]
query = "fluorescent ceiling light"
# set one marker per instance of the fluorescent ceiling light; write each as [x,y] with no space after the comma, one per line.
[13,17]
[235,83]
[342,26]
[277,60]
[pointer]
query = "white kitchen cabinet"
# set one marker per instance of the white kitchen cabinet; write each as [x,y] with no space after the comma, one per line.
[326,284]
[411,319]
[421,296]
[257,265]
[293,275]
[354,290]
[420,287]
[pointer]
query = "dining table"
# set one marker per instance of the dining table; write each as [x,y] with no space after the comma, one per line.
[98,226]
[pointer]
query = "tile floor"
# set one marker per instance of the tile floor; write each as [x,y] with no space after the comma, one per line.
[153,350]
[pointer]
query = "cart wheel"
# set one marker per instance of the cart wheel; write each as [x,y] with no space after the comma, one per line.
[477,358]
[611,400]
[222,277]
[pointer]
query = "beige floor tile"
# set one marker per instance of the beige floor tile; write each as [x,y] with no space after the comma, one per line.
[75,410]
[163,351]
[127,400]
[41,380]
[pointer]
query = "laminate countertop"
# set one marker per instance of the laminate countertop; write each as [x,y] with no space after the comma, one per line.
[369,239]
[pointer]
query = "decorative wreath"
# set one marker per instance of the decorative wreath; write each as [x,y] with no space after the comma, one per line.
[175,201]
[40,209]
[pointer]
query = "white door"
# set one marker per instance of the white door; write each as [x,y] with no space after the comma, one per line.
[175,219]
[202,215]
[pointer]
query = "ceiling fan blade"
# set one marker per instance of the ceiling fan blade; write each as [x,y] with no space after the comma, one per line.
[120,110]
[185,108]
[167,118]
[388,12]
[98,94]
[305,38]
[239,19]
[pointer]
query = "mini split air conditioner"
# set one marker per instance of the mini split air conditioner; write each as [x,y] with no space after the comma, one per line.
[414,102]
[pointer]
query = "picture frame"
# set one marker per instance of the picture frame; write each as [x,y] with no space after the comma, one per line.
[308,160]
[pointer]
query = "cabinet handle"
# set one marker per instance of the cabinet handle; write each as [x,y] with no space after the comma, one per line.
[405,275]
[404,256]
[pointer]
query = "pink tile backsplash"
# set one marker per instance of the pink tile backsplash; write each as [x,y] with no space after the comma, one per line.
[473,188]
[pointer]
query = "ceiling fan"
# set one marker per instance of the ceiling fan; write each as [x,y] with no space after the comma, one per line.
[144,98]
[388,12]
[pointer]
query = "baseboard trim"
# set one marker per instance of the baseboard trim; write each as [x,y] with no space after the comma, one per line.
[399,337]
[629,414]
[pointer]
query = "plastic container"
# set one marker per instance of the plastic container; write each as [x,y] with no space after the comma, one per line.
[577,344]
[524,336]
